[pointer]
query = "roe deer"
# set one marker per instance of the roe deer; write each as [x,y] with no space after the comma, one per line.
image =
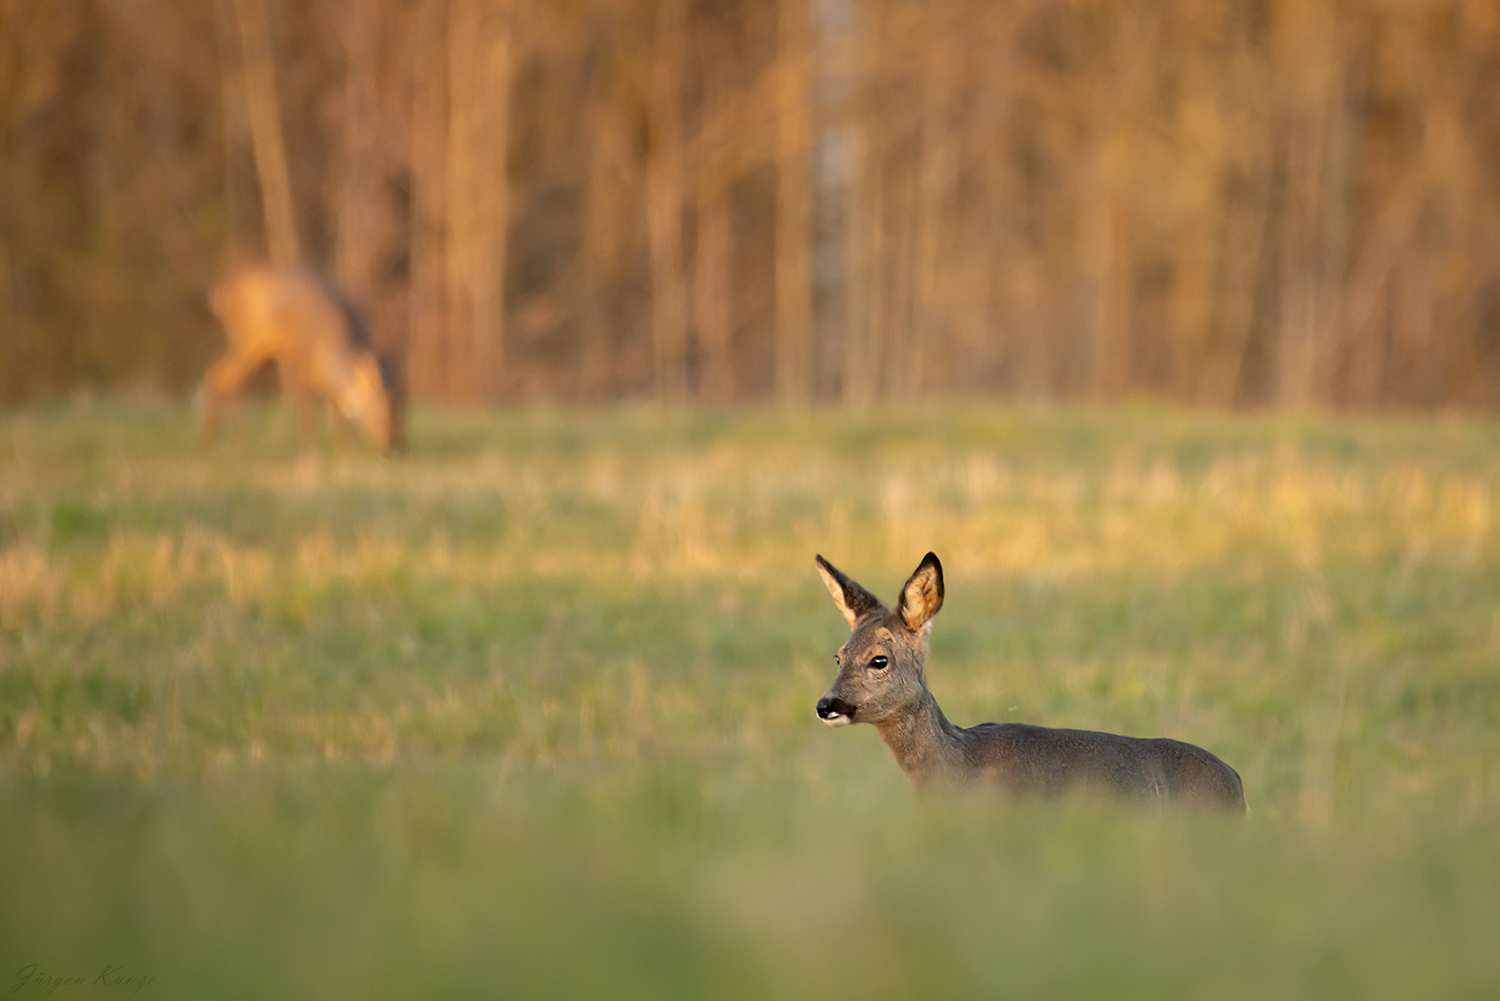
[320,347]
[882,680]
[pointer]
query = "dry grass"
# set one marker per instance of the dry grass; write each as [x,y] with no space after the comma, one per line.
[547,683]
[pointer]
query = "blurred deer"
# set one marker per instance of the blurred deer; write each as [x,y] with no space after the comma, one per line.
[882,680]
[321,349]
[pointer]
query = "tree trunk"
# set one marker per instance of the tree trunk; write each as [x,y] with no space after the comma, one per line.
[794,231]
[356,241]
[265,131]
[479,75]
[427,326]
[664,196]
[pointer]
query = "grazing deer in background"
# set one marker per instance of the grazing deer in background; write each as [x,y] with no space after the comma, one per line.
[882,680]
[321,349]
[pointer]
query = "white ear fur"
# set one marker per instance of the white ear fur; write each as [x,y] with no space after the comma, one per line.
[837,590]
[852,599]
[922,595]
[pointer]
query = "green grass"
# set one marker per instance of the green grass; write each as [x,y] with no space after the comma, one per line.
[528,713]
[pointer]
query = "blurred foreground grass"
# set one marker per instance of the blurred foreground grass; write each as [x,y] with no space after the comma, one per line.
[529,712]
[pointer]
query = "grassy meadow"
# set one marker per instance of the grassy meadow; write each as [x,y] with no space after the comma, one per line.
[529,712]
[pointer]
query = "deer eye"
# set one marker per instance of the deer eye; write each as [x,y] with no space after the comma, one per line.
[878,663]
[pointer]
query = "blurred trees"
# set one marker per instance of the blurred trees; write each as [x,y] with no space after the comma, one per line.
[1241,202]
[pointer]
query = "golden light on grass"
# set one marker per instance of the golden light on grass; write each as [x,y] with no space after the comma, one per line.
[556,673]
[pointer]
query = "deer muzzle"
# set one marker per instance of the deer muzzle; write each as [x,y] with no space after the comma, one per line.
[835,711]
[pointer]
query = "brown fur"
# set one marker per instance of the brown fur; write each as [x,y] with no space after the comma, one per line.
[893,695]
[320,347]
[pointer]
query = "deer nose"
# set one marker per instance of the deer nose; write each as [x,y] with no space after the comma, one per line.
[832,709]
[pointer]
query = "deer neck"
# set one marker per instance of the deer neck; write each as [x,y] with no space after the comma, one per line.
[926,745]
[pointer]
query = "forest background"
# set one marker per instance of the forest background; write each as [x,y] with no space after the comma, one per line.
[1220,202]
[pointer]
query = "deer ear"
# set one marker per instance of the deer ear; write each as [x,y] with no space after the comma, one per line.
[923,594]
[850,598]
